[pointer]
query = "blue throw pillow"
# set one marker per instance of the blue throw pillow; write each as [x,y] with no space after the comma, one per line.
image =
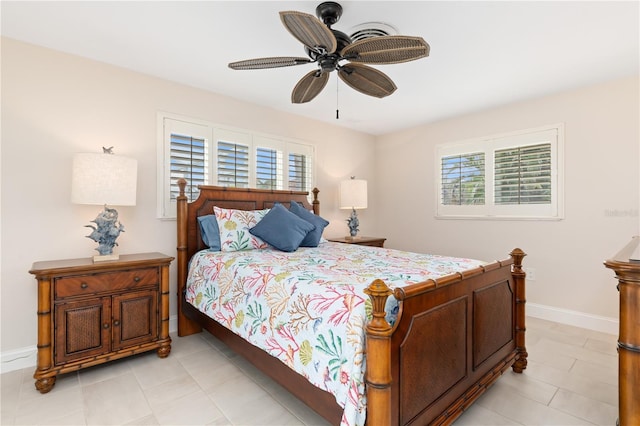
[210,231]
[282,229]
[313,238]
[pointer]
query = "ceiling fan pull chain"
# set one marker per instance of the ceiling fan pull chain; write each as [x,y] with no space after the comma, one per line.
[337,103]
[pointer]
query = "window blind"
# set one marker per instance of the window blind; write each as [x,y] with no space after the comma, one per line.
[299,175]
[233,164]
[523,175]
[463,181]
[268,168]
[205,154]
[188,161]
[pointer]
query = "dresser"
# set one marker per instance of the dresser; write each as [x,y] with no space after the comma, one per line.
[90,313]
[626,265]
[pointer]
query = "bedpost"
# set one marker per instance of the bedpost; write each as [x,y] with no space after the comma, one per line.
[378,373]
[185,325]
[315,203]
[519,280]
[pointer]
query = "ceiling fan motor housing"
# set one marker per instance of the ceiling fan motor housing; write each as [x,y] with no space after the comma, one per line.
[329,12]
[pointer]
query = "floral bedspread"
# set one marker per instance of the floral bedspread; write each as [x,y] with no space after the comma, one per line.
[308,308]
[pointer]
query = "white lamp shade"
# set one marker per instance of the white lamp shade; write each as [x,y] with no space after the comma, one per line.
[104,179]
[353,194]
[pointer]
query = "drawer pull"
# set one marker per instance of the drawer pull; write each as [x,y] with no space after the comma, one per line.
[136,279]
[105,325]
[84,285]
[116,323]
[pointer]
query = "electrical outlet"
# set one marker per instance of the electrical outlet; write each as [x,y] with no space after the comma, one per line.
[531,273]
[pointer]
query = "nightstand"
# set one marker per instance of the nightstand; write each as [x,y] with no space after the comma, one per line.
[90,313]
[362,241]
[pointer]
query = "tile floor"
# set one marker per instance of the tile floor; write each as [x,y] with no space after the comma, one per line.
[571,380]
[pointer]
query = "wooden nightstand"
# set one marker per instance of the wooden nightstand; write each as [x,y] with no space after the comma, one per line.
[363,241]
[90,313]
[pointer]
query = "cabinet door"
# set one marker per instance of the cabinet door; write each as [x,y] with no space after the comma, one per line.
[135,318]
[82,329]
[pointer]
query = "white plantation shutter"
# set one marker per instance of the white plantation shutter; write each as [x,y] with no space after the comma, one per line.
[233,164]
[188,161]
[463,179]
[518,175]
[297,172]
[523,175]
[300,167]
[183,153]
[269,170]
[206,154]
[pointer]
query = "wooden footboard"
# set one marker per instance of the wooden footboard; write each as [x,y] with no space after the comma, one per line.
[452,339]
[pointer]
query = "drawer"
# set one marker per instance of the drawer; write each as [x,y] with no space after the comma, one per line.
[79,285]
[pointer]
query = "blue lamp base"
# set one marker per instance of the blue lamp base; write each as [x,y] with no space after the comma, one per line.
[353,223]
[105,233]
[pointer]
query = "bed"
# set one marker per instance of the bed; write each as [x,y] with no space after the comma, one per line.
[450,337]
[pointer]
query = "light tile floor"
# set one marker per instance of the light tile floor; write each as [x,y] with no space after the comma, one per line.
[571,380]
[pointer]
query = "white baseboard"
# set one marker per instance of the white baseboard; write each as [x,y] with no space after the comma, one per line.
[26,357]
[575,318]
[173,324]
[18,359]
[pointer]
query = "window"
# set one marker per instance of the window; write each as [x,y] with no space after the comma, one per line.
[523,175]
[518,175]
[188,161]
[233,164]
[267,172]
[463,179]
[300,166]
[209,154]
[269,162]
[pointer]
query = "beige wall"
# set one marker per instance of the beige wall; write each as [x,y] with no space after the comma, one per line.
[601,196]
[54,105]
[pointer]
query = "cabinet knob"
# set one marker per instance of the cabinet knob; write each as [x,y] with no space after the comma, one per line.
[136,279]
[105,325]
[116,323]
[84,285]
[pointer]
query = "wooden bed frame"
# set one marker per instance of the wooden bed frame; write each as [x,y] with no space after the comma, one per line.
[453,337]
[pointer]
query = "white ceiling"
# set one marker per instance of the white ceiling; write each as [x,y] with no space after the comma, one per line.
[483,54]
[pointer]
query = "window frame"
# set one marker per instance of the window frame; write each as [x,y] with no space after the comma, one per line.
[212,133]
[554,134]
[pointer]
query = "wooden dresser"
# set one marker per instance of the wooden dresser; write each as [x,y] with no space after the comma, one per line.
[90,313]
[627,268]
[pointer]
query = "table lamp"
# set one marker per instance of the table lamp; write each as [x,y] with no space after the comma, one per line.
[353,195]
[109,180]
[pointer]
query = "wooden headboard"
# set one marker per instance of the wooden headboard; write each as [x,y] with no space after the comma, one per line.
[228,198]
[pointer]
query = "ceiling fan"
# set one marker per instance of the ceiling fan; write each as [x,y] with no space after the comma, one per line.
[333,50]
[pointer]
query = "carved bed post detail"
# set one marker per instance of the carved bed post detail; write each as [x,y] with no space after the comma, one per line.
[378,373]
[519,280]
[185,325]
[315,203]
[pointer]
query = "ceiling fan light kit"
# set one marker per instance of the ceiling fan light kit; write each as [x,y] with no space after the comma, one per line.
[334,50]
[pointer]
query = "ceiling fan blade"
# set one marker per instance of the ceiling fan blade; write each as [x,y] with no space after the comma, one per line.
[367,80]
[386,50]
[309,86]
[309,31]
[274,62]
